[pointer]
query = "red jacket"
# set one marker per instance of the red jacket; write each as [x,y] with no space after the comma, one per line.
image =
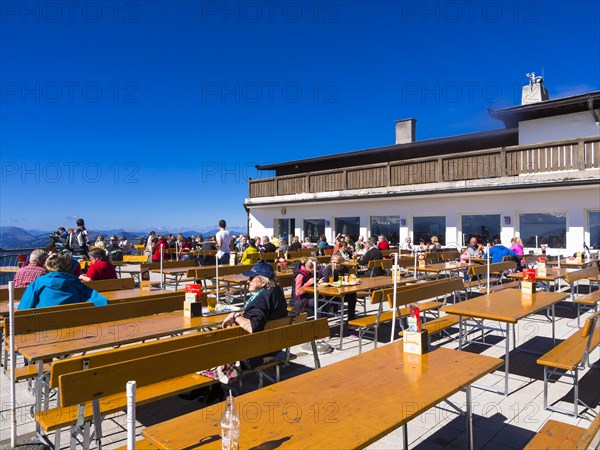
[160,247]
[383,245]
[101,270]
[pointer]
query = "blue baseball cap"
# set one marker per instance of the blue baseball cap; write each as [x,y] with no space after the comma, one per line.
[262,268]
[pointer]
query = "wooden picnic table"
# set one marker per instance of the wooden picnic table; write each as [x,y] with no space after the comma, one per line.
[135,293]
[508,307]
[49,344]
[552,275]
[365,284]
[571,263]
[446,267]
[349,404]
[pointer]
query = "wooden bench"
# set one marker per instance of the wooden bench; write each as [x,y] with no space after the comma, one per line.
[568,357]
[18,294]
[481,271]
[93,386]
[438,325]
[587,301]
[573,278]
[561,436]
[135,258]
[404,296]
[115,284]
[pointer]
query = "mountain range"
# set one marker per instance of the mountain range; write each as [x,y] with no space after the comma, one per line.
[15,238]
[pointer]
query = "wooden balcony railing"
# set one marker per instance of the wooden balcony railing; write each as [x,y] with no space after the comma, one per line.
[491,163]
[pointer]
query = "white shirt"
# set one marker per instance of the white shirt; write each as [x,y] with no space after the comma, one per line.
[225,238]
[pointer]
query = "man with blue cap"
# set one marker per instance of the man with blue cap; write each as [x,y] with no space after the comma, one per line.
[266,303]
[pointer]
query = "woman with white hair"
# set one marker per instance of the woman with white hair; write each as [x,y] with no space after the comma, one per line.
[59,286]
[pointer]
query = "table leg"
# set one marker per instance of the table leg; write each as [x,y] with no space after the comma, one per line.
[469,418]
[460,332]
[343,300]
[38,393]
[506,361]
[553,323]
[405,436]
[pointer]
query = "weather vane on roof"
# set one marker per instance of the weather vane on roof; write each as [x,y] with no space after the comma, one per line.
[533,79]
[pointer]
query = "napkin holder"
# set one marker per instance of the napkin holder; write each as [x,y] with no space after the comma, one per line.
[415,342]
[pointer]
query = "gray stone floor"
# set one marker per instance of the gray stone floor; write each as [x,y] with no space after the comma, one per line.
[499,422]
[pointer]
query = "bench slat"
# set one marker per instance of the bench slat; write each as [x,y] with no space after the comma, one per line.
[107,380]
[57,418]
[556,435]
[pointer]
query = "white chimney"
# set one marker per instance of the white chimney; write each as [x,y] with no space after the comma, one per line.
[535,91]
[406,131]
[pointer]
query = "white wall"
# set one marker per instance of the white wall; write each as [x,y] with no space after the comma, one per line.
[558,128]
[572,201]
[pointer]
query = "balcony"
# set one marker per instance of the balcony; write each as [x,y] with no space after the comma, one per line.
[562,156]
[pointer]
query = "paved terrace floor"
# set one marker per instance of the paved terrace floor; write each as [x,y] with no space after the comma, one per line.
[499,422]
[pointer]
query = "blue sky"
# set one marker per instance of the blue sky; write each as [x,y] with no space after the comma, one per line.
[145,114]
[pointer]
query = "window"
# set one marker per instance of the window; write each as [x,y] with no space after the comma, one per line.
[594,224]
[314,228]
[485,227]
[349,226]
[549,228]
[284,228]
[389,226]
[426,227]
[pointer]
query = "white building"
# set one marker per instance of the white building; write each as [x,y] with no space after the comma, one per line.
[538,178]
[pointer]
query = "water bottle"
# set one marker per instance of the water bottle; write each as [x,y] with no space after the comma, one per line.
[230,426]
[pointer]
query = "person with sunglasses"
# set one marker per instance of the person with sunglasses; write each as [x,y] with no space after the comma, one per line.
[267,301]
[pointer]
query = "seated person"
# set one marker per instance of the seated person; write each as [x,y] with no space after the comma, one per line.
[114,250]
[101,268]
[266,303]
[58,287]
[27,274]
[295,245]
[250,250]
[498,252]
[343,251]
[474,248]
[336,270]
[124,244]
[382,243]
[435,245]
[304,273]
[372,254]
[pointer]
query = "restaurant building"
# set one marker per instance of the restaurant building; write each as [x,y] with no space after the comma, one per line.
[537,178]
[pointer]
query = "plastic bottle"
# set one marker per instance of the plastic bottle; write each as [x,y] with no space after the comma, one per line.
[230,426]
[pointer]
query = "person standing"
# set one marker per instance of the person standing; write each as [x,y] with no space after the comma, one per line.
[223,238]
[78,240]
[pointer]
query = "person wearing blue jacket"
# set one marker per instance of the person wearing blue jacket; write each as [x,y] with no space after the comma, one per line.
[58,287]
[499,251]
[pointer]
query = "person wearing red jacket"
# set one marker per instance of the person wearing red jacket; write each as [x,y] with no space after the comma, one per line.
[382,244]
[101,268]
[161,247]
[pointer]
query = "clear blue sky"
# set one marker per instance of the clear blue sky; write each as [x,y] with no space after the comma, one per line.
[144,114]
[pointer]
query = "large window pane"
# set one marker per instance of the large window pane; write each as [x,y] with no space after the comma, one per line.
[284,227]
[314,228]
[389,226]
[550,229]
[594,221]
[426,227]
[349,226]
[485,227]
